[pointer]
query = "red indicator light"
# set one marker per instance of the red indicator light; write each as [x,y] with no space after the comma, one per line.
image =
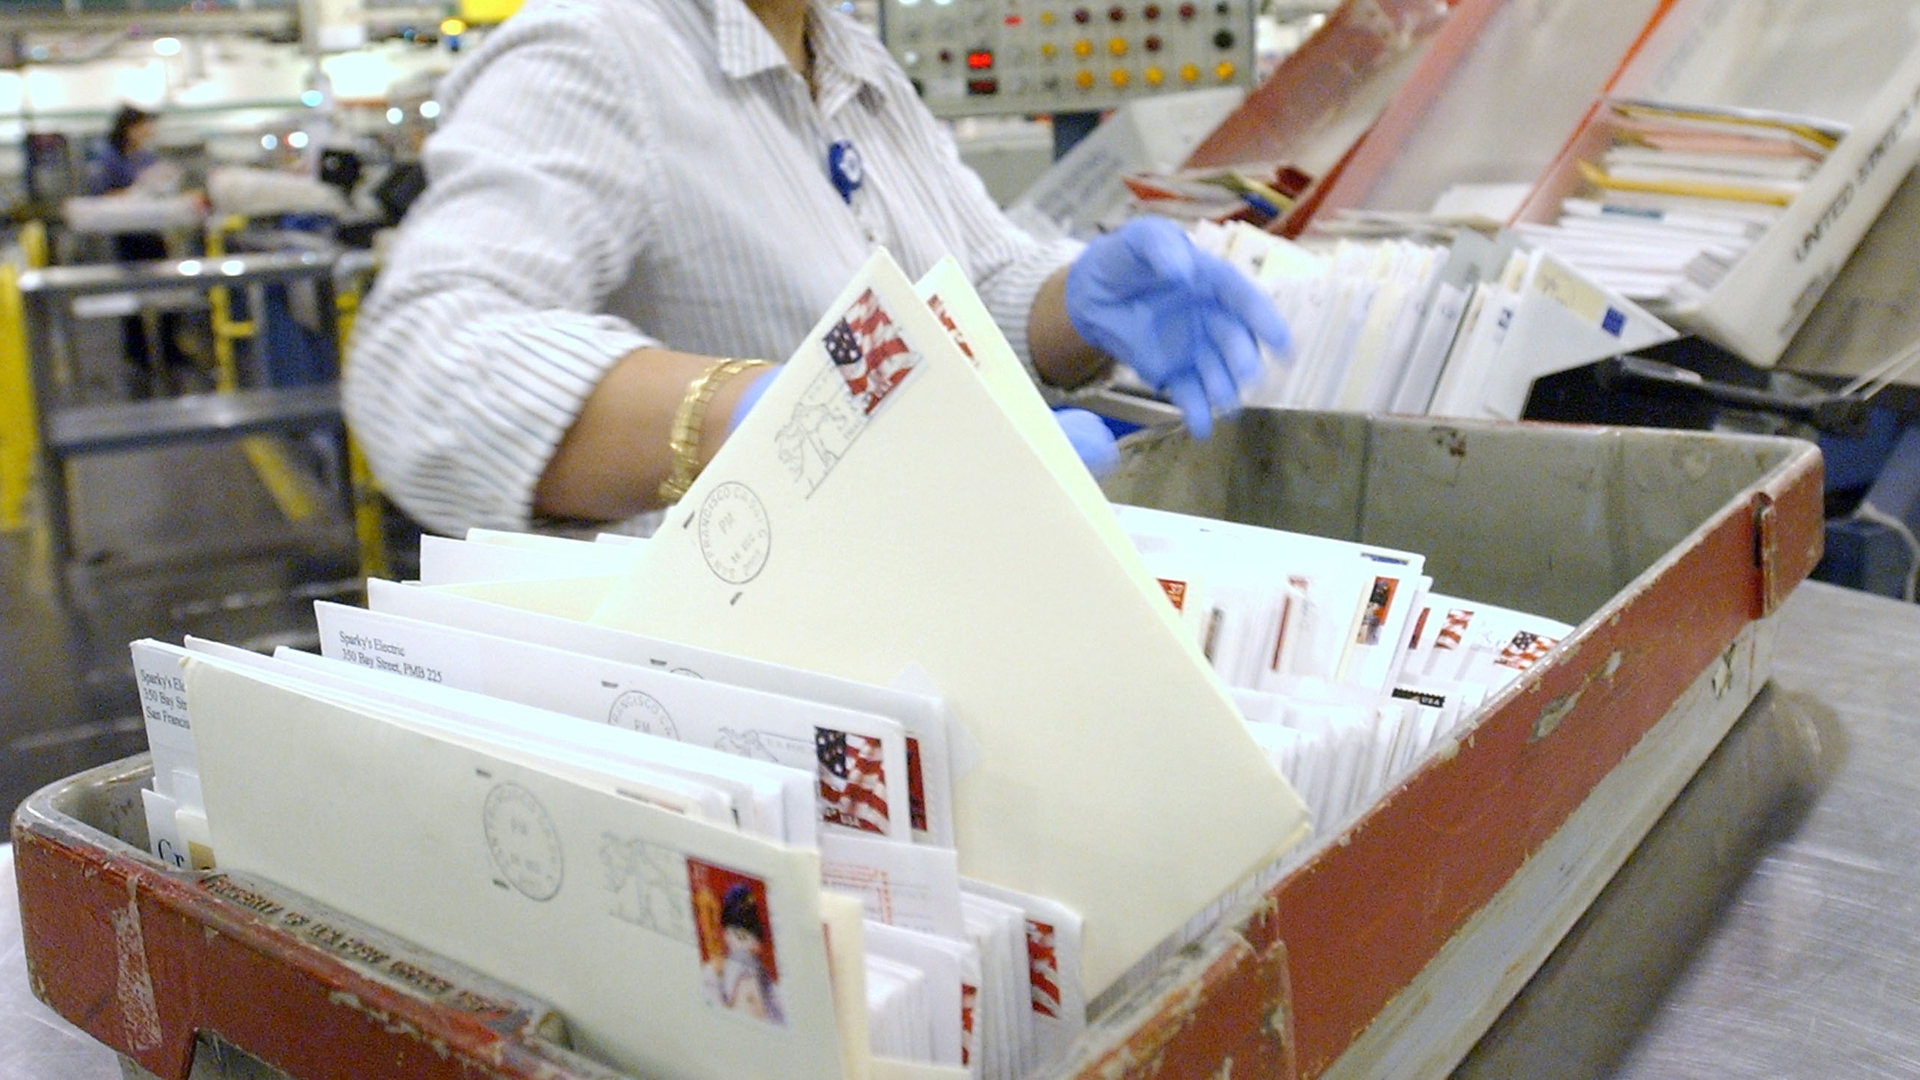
[980,61]
[1013,20]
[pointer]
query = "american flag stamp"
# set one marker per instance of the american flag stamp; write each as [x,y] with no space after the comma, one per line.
[869,360]
[1043,968]
[1455,628]
[1525,650]
[853,780]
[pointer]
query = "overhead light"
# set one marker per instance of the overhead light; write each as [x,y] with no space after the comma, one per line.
[312,99]
[297,140]
[167,46]
[269,142]
[395,115]
[429,110]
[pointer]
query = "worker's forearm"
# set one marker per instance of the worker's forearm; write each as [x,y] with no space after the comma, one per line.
[611,462]
[1059,354]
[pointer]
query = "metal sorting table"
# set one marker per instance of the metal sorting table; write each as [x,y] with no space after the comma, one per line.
[54,297]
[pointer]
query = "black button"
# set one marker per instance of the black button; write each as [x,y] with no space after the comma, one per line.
[1224,39]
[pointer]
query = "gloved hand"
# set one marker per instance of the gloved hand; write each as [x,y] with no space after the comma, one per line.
[1186,322]
[761,380]
[1091,439]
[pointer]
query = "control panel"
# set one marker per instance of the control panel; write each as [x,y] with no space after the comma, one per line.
[979,57]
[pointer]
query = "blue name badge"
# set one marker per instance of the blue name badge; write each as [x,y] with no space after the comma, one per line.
[844,169]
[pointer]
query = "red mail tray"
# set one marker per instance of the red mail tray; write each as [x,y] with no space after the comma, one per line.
[1388,952]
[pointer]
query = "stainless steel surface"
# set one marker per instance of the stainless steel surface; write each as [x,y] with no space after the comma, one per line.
[247,269]
[1813,968]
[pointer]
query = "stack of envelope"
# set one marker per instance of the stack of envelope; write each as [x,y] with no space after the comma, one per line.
[893,670]
[1680,193]
[1425,326]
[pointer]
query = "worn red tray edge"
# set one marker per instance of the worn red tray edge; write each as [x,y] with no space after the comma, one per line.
[1362,918]
[143,958]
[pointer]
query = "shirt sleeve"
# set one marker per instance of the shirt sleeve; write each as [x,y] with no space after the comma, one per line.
[480,342]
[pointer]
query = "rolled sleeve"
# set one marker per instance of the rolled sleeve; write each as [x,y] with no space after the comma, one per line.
[480,342]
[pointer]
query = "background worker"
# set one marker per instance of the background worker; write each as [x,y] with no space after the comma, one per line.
[127,165]
[624,193]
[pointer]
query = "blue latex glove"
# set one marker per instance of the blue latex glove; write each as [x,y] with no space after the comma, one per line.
[1091,439]
[1189,324]
[761,380]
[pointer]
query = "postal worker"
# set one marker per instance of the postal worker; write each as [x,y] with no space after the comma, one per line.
[624,194]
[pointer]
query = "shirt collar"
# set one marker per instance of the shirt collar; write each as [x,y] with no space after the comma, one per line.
[841,68]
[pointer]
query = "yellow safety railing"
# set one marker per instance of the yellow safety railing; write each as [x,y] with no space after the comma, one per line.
[283,482]
[369,520]
[18,426]
[295,499]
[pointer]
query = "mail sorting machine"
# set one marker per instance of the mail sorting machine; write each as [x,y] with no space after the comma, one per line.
[1672,551]
[72,426]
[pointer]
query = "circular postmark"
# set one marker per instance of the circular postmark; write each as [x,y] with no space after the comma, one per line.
[735,535]
[523,842]
[641,712]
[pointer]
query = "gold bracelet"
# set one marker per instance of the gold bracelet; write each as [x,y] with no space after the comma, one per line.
[689,420]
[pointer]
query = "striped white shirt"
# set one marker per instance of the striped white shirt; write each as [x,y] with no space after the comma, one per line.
[613,174]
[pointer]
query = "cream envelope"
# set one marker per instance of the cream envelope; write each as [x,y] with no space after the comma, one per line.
[860,523]
[860,758]
[608,908]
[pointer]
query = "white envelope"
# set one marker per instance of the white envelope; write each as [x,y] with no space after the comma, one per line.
[610,909]
[923,716]
[860,758]
[1563,319]
[445,561]
[855,530]
[944,960]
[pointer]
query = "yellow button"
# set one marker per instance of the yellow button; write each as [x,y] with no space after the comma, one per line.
[1155,76]
[1188,73]
[1046,18]
[1120,76]
[1224,70]
[1084,80]
[1118,46]
[1083,48]
[1048,48]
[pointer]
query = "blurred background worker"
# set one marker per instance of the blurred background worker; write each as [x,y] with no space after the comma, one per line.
[624,195]
[127,166]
